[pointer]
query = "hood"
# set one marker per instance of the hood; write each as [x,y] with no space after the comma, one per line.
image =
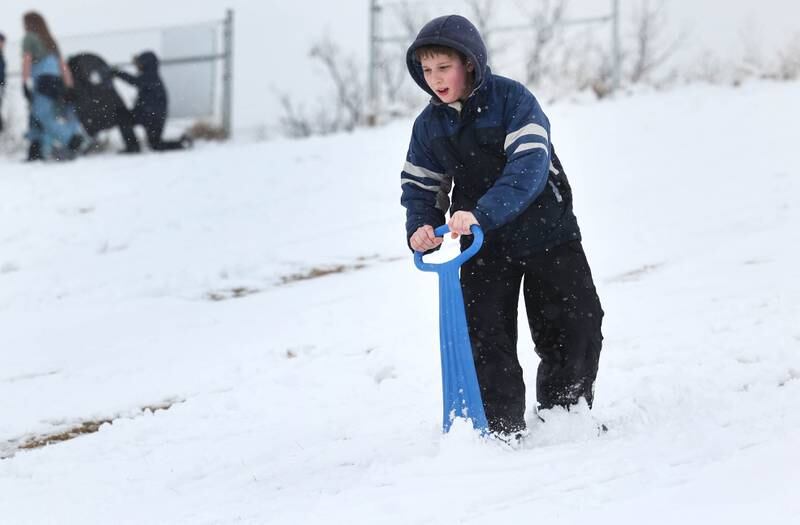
[453,31]
[147,61]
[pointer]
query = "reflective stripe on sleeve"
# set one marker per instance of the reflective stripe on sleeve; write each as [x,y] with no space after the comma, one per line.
[529,129]
[423,186]
[531,145]
[422,172]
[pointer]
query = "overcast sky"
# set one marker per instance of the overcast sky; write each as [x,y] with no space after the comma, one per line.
[273,37]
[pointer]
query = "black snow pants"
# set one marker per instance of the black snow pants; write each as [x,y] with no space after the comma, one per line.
[153,126]
[564,315]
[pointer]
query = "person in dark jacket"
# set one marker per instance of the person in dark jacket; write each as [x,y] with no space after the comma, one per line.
[150,108]
[2,77]
[487,137]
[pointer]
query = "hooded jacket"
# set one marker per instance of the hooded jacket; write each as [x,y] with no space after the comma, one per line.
[150,108]
[494,150]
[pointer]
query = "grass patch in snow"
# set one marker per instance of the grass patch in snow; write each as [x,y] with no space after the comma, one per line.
[320,271]
[232,293]
[323,271]
[634,275]
[81,429]
[315,272]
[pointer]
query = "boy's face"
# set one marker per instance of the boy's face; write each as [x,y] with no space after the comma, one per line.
[447,76]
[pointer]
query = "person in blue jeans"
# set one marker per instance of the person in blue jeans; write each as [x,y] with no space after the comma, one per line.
[46,78]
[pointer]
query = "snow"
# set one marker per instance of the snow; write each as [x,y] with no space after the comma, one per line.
[318,400]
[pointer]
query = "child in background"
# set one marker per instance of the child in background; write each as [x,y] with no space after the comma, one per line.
[150,108]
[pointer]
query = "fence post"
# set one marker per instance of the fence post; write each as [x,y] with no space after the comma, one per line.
[372,81]
[617,58]
[227,73]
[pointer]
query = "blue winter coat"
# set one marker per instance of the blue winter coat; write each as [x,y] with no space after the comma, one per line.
[494,150]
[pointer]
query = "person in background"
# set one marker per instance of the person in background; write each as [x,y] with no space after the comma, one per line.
[2,77]
[150,108]
[46,79]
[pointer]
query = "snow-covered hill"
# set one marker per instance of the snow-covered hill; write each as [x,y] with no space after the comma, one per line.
[248,318]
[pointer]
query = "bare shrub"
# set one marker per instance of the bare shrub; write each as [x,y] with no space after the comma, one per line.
[588,65]
[788,67]
[752,62]
[344,73]
[482,15]
[544,20]
[707,68]
[651,48]
[294,122]
[397,95]
[204,130]
[341,112]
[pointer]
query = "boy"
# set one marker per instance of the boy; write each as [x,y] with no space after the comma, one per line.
[487,136]
[150,108]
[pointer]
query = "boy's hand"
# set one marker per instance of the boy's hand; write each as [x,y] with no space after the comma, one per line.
[423,239]
[460,222]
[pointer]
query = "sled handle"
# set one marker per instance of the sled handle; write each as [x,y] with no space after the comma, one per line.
[463,257]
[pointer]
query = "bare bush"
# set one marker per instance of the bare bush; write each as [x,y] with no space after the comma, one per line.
[294,121]
[397,94]
[346,108]
[544,21]
[788,67]
[344,72]
[601,74]
[482,15]
[752,62]
[783,65]
[651,48]
[205,130]
[708,68]
[561,61]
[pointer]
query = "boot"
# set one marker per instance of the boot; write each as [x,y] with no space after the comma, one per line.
[34,151]
[75,143]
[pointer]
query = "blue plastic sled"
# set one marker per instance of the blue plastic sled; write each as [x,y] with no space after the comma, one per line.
[461,394]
